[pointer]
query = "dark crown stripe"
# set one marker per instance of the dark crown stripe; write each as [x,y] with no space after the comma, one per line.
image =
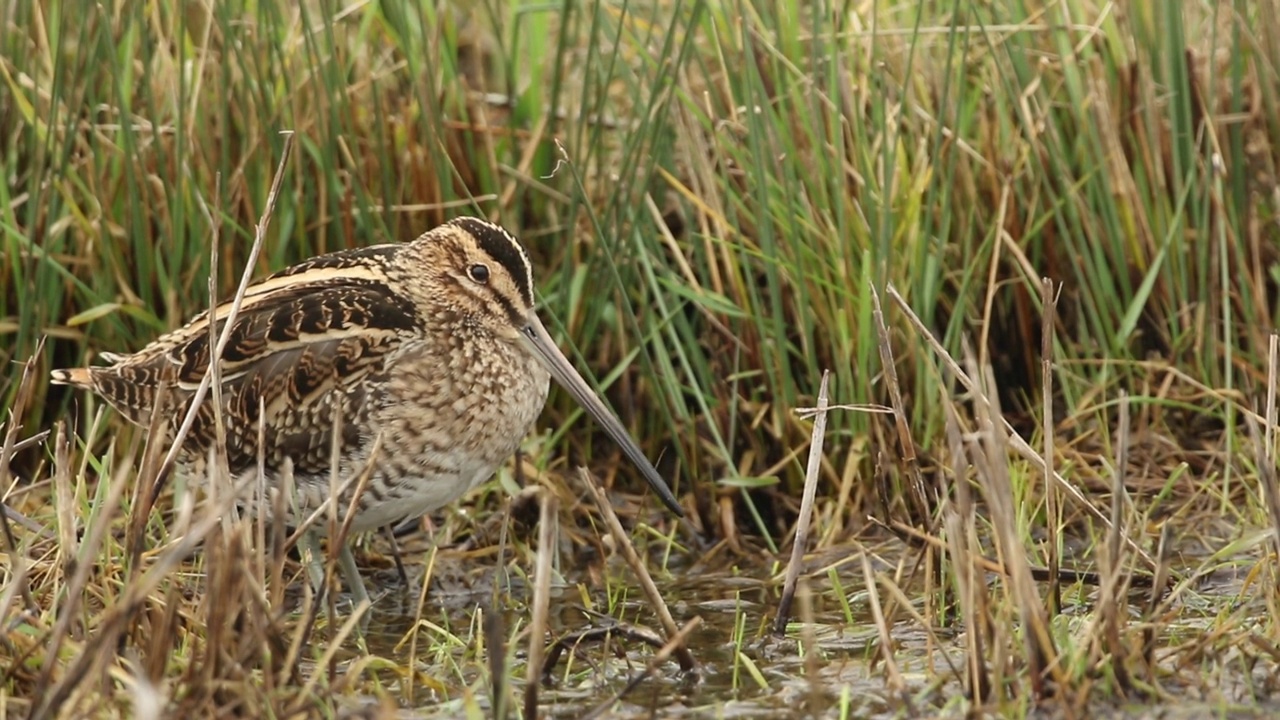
[503,247]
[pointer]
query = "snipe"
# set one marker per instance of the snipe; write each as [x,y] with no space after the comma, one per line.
[433,346]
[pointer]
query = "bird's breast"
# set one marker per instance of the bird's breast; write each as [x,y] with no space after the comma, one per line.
[459,413]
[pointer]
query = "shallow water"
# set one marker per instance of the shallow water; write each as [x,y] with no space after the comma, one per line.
[737,609]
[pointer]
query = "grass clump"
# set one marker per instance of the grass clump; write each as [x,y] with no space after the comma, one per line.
[716,196]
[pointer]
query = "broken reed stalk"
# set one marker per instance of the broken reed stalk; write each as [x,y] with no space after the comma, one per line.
[495,641]
[632,558]
[219,576]
[27,442]
[67,515]
[148,482]
[1266,460]
[967,578]
[962,543]
[9,592]
[336,485]
[64,494]
[991,447]
[921,504]
[150,485]
[1111,595]
[1053,514]
[348,628]
[900,601]
[197,399]
[219,472]
[224,592]
[419,609]
[1015,440]
[806,510]
[892,677]
[26,387]
[547,521]
[495,624]
[242,637]
[294,655]
[1151,613]
[265,501]
[809,637]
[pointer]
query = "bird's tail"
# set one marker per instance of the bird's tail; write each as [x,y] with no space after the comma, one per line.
[76,377]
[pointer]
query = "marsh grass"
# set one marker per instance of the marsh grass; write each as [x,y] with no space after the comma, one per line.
[724,201]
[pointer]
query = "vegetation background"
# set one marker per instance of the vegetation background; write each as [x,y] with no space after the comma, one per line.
[712,192]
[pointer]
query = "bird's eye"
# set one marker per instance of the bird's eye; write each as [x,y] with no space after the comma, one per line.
[479,273]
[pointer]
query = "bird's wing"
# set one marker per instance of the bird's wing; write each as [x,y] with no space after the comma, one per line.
[294,360]
[301,342]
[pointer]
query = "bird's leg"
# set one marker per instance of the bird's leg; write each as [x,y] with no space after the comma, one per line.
[351,574]
[346,564]
[358,593]
[390,532]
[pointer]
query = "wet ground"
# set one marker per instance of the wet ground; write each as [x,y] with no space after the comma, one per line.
[744,671]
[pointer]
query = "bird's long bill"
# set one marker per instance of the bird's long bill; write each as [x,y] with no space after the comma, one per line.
[544,348]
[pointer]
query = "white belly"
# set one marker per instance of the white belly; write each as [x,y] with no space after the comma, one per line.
[417,496]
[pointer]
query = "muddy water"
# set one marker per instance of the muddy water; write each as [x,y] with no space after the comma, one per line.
[744,672]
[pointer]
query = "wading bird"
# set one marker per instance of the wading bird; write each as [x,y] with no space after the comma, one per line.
[429,351]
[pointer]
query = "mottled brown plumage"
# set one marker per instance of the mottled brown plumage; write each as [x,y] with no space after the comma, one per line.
[433,344]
